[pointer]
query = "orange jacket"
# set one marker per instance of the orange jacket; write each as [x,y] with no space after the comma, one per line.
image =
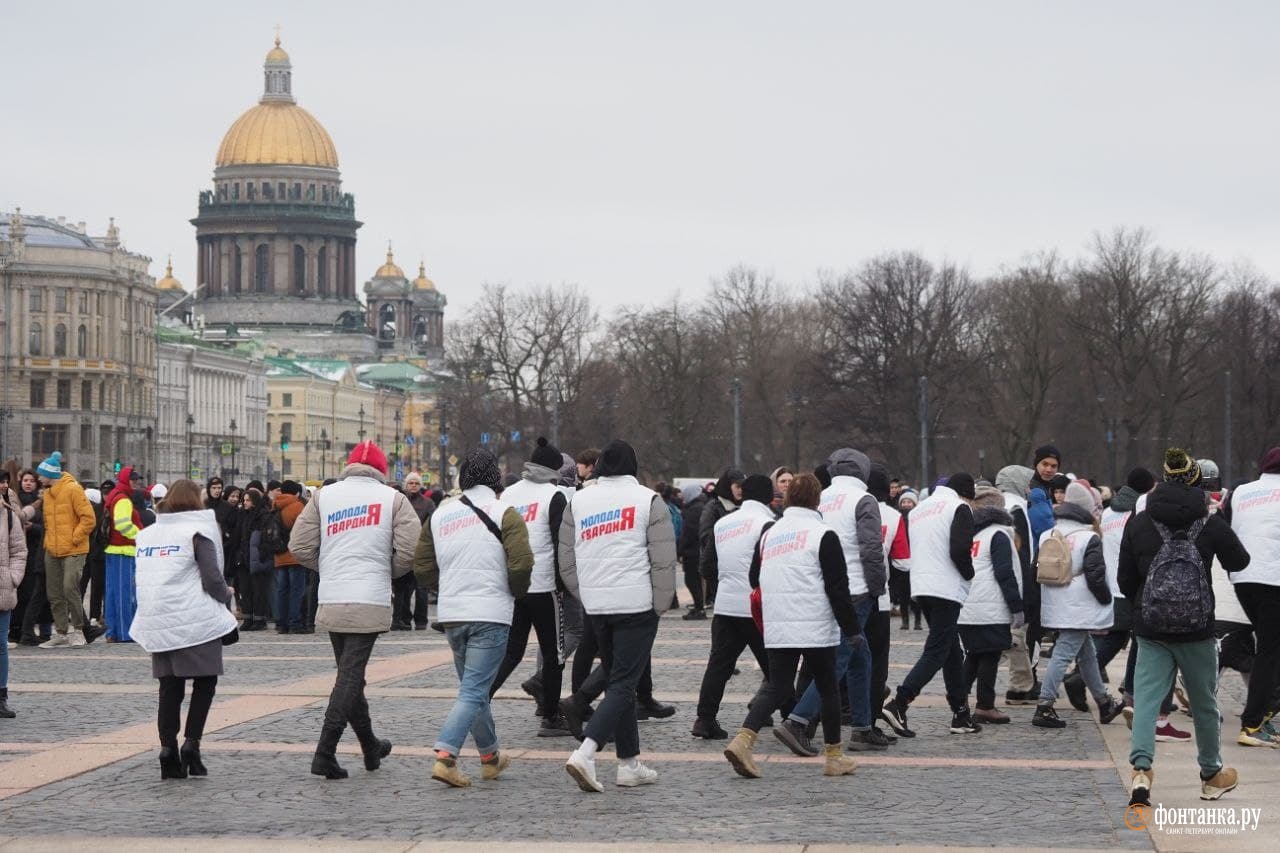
[68,518]
[290,508]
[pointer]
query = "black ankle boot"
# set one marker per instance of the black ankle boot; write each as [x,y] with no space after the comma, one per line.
[5,711]
[190,755]
[374,751]
[171,764]
[327,766]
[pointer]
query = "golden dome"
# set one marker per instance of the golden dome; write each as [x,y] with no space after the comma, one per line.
[277,54]
[422,282]
[168,282]
[277,133]
[389,269]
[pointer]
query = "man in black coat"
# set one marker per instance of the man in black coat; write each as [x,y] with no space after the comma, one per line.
[690,550]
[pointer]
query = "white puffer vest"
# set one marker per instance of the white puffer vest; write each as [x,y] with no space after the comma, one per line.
[473,564]
[890,522]
[1255,517]
[1012,502]
[932,572]
[611,546]
[174,611]
[797,612]
[533,502]
[839,501]
[736,536]
[356,534]
[1073,607]
[1113,524]
[985,604]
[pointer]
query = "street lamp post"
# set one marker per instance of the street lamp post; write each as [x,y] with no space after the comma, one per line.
[191,463]
[444,444]
[234,471]
[396,442]
[324,450]
[360,432]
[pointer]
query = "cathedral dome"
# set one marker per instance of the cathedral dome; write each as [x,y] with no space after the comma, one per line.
[422,282]
[389,269]
[168,282]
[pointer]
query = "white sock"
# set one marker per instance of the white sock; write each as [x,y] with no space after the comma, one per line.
[588,749]
[631,763]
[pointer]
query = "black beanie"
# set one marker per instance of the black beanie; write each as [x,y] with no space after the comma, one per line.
[757,487]
[1047,451]
[546,455]
[963,485]
[479,468]
[618,459]
[1141,480]
[878,482]
[823,475]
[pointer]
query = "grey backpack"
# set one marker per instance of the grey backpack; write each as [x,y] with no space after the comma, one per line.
[1177,597]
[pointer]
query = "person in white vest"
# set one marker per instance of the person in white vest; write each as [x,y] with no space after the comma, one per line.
[474,551]
[897,557]
[540,502]
[806,608]
[358,534]
[732,628]
[1253,510]
[994,606]
[1077,609]
[854,514]
[941,569]
[617,551]
[181,619]
[1014,481]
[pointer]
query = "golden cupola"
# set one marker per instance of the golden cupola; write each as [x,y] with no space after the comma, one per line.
[389,269]
[168,282]
[277,131]
[422,282]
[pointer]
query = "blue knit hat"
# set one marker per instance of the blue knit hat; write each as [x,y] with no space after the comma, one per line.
[51,467]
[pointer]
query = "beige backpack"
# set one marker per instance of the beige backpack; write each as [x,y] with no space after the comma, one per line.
[1053,565]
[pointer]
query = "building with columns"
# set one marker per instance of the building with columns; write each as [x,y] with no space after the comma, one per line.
[407,317]
[78,337]
[276,236]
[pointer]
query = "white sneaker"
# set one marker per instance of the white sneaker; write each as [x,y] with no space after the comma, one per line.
[55,641]
[76,638]
[583,771]
[13,645]
[631,777]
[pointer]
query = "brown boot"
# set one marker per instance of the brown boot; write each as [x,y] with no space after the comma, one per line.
[446,770]
[838,764]
[492,768]
[739,754]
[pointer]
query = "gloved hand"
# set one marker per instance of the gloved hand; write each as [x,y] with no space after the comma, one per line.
[1018,621]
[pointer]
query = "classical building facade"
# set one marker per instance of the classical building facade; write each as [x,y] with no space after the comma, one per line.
[407,317]
[79,343]
[276,236]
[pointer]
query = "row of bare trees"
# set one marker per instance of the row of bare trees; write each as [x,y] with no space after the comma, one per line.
[1112,357]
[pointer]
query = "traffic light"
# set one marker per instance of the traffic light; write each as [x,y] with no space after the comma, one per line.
[284,444]
[116,467]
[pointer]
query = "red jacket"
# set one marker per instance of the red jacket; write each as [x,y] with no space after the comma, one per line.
[122,491]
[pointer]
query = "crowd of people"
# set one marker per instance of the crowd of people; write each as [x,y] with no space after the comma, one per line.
[1037,569]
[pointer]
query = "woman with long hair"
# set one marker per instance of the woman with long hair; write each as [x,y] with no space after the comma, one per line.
[33,612]
[254,567]
[182,619]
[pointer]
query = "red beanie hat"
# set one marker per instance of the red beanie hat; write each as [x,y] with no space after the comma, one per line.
[367,453]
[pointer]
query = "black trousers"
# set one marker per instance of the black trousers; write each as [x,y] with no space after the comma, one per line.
[537,610]
[900,587]
[730,636]
[588,683]
[36,611]
[877,633]
[780,688]
[981,667]
[169,716]
[255,594]
[93,578]
[625,643]
[941,652]
[1261,603]
[347,703]
[693,583]
[409,602]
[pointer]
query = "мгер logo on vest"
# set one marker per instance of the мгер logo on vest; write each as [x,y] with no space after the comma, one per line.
[159,550]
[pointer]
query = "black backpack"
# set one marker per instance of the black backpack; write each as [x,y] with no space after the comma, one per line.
[1176,596]
[275,536]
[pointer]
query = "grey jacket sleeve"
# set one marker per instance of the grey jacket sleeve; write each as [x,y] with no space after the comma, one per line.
[1095,571]
[564,551]
[662,555]
[211,578]
[304,538]
[867,521]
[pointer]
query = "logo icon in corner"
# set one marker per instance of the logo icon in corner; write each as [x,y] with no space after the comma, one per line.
[1137,816]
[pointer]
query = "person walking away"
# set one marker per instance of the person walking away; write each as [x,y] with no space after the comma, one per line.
[68,524]
[941,570]
[13,566]
[410,609]
[695,501]
[121,598]
[1014,481]
[1075,608]
[799,569]
[1166,558]
[724,499]
[33,613]
[474,551]
[732,628]
[537,499]
[854,514]
[618,557]
[1253,511]
[290,576]
[356,535]
[182,617]
[897,557]
[94,577]
[994,607]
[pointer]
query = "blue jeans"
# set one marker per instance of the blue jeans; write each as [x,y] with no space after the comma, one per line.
[478,650]
[291,588]
[5,616]
[1073,645]
[853,659]
[121,600]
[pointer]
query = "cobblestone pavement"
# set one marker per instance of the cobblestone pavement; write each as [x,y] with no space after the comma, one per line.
[81,757]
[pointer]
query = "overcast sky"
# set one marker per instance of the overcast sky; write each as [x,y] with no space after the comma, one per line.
[640,148]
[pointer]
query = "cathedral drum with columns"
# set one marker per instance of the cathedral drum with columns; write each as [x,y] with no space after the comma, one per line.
[276,236]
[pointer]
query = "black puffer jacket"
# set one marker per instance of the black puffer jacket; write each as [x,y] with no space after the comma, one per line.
[1177,507]
[690,549]
[720,504]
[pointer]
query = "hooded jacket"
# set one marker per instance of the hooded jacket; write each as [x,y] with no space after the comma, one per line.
[68,518]
[125,519]
[1085,603]
[1039,512]
[853,512]
[1177,507]
[720,504]
[13,555]
[290,507]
